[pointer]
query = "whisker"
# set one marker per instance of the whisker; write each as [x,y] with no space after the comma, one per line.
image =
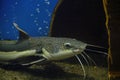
[89,58]
[96,46]
[85,59]
[96,51]
[81,65]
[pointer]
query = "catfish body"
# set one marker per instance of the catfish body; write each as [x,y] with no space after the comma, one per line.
[50,48]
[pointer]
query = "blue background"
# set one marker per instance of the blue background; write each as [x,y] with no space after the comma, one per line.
[33,16]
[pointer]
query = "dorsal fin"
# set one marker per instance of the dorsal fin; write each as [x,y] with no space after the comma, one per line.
[22,34]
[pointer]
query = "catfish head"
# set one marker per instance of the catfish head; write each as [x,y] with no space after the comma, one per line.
[60,48]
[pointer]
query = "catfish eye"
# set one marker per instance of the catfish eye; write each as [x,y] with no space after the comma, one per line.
[67,45]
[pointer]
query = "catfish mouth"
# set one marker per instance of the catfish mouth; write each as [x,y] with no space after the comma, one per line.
[60,55]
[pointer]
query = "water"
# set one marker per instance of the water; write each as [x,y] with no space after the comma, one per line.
[33,16]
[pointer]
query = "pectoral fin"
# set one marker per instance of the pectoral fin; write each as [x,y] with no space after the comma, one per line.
[34,62]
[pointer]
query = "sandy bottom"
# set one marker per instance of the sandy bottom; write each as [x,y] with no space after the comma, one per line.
[53,71]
